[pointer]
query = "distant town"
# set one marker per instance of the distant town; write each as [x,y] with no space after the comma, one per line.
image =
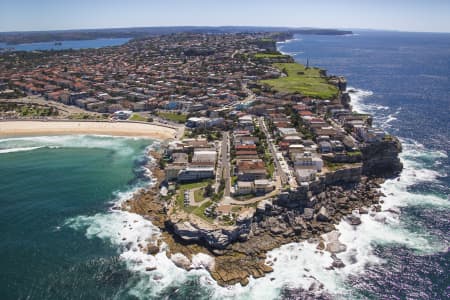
[257,126]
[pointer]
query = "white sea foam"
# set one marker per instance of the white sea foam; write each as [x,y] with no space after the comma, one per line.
[20,149]
[358,101]
[131,233]
[281,45]
[288,41]
[357,97]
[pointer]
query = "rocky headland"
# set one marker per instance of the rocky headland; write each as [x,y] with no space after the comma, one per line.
[348,188]
[311,214]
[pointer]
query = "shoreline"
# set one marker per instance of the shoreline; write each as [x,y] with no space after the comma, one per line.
[242,260]
[69,127]
[272,225]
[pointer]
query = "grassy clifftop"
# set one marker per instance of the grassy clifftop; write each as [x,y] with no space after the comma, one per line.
[308,82]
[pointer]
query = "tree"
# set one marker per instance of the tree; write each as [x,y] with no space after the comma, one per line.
[162,164]
[222,184]
[208,190]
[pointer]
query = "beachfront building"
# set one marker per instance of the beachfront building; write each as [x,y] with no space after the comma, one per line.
[250,170]
[204,156]
[244,187]
[172,171]
[191,174]
[307,160]
[258,187]
[305,175]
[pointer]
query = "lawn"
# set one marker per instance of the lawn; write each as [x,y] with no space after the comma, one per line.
[136,117]
[308,82]
[200,211]
[188,186]
[199,195]
[355,153]
[335,166]
[269,55]
[193,185]
[175,117]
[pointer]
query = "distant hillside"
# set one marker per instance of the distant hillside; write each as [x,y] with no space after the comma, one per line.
[87,34]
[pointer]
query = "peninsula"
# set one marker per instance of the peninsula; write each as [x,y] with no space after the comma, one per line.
[265,151]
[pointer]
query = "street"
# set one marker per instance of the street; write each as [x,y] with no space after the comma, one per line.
[226,163]
[273,151]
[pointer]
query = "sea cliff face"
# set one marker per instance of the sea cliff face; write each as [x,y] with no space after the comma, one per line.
[309,212]
[381,159]
[212,236]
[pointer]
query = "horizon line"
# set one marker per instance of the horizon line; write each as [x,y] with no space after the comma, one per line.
[219,26]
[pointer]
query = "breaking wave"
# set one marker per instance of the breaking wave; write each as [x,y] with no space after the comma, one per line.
[20,149]
[16,144]
[383,116]
[281,45]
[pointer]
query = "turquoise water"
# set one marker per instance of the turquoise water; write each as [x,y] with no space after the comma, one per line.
[81,44]
[40,190]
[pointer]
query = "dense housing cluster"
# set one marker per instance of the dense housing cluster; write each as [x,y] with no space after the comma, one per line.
[257,123]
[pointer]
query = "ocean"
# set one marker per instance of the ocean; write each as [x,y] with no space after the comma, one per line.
[60,239]
[70,44]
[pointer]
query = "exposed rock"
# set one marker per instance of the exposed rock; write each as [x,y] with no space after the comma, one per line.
[337,262]
[393,211]
[215,237]
[353,220]
[181,261]
[336,247]
[233,253]
[353,197]
[152,249]
[321,246]
[277,229]
[322,215]
[381,158]
[363,210]
[343,176]
[308,214]
[333,244]
[244,281]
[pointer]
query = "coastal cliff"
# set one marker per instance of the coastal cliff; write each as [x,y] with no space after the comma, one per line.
[239,250]
[381,158]
[216,237]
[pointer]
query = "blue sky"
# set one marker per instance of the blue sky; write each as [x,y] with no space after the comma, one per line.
[406,15]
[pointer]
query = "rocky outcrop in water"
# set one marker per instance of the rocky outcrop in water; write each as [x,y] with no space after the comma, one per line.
[240,251]
[274,225]
[214,236]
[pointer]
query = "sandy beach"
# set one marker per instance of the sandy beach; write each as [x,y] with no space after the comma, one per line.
[13,128]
